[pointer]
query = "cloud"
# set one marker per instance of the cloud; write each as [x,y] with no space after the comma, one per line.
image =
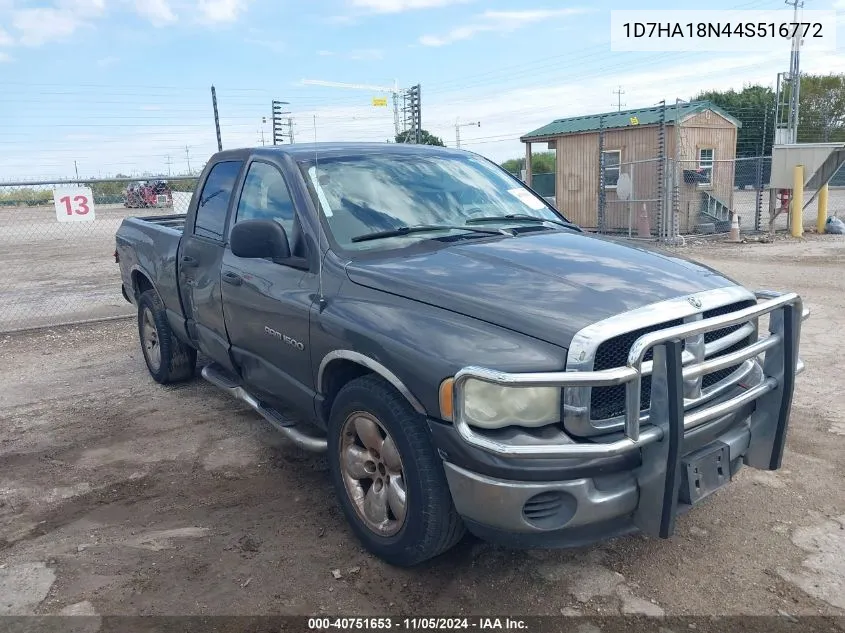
[398,6]
[498,21]
[5,57]
[86,8]
[158,12]
[358,54]
[221,10]
[5,38]
[105,62]
[41,25]
[367,54]
[271,45]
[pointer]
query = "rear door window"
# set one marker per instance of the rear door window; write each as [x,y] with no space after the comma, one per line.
[214,199]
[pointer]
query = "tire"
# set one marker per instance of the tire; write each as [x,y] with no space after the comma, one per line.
[427,524]
[168,359]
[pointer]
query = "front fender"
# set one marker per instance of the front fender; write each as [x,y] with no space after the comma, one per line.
[420,344]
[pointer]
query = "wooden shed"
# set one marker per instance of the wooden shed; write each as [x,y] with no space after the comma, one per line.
[702,135]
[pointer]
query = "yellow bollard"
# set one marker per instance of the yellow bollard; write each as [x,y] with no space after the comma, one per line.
[821,219]
[797,226]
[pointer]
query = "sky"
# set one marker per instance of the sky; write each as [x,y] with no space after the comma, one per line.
[101,87]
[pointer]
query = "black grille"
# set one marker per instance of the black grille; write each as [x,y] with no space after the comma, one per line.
[609,402]
[717,334]
[717,376]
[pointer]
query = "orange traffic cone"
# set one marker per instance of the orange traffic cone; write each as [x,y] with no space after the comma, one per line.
[734,234]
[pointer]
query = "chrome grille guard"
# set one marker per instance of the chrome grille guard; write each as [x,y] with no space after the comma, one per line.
[773,395]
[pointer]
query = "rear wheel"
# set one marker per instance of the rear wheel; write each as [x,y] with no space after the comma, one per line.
[168,359]
[388,477]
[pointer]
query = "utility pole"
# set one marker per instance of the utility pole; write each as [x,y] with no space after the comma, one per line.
[216,118]
[458,126]
[290,130]
[263,122]
[794,74]
[619,92]
[188,158]
[76,169]
[396,107]
[168,165]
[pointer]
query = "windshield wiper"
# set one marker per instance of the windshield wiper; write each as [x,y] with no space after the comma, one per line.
[516,216]
[420,228]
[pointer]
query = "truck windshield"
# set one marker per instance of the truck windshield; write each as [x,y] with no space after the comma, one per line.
[380,193]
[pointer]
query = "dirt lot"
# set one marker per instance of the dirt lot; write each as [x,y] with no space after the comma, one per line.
[119,496]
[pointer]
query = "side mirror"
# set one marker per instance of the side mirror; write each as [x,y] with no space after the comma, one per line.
[257,239]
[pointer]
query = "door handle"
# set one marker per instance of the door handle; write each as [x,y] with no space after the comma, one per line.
[189,262]
[232,278]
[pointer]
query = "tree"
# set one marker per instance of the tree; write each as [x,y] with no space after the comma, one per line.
[821,114]
[541,163]
[754,107]
[426,138]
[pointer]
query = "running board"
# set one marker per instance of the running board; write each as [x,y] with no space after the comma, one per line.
[218,377]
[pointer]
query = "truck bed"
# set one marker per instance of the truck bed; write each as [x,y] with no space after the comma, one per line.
[151,245]
[175,221]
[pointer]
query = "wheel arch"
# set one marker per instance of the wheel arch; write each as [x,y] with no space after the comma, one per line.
[341,366]
[141,282]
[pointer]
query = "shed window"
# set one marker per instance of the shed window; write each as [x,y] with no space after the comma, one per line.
[612,159]
[705,164]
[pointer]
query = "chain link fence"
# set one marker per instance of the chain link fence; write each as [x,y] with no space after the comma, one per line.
[57,244]
[631,200]
[697,198]
[57,249]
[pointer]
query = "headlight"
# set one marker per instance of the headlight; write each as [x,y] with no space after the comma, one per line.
[491,406]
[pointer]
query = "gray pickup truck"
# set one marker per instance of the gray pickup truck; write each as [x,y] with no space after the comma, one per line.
[466,356]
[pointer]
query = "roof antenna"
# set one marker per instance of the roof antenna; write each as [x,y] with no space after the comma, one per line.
[321,300]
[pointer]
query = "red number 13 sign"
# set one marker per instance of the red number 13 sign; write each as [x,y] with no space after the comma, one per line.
[74,204]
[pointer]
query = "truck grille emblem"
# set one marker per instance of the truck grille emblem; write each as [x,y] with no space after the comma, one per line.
[695,302]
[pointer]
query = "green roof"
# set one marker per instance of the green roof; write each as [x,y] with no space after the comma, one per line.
[625,118]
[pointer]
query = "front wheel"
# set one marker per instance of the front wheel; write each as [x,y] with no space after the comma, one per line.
[168,359]
[388,477]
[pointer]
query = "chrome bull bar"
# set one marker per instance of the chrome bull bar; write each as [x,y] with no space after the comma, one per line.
[773,394]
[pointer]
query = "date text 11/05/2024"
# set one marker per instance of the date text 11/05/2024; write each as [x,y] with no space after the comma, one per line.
[784,30]
[419,624]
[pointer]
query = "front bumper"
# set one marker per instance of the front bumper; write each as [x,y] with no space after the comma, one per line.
[572,512]
[752,424]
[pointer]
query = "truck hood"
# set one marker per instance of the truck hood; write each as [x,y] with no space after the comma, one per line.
[545,285]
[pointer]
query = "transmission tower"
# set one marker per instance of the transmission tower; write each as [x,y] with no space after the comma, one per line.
[282,125]
[412,112]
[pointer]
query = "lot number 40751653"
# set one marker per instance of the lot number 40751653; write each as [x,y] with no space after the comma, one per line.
[74,204]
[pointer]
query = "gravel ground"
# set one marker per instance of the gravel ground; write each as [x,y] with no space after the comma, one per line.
[119,496]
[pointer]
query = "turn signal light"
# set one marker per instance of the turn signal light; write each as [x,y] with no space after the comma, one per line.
[447,389]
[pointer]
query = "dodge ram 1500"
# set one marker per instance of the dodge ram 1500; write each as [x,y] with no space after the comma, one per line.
[467,357]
